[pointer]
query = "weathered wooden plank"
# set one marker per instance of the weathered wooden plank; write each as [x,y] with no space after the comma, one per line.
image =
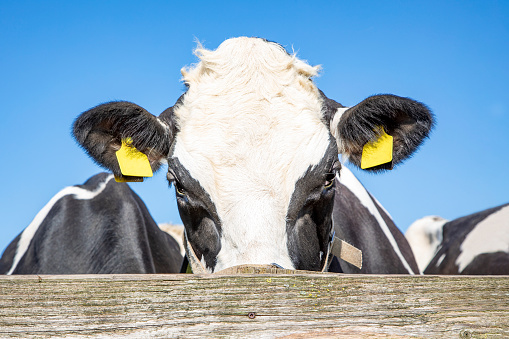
[256,306]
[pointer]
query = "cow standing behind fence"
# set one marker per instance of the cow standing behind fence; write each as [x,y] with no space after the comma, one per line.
[252,149]
[474,244]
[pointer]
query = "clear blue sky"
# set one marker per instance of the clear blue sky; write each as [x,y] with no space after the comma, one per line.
[59,58]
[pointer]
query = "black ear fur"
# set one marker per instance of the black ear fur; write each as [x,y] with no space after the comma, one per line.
[101,129]
[407,120]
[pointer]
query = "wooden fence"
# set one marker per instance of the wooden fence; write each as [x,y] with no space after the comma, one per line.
[254,306]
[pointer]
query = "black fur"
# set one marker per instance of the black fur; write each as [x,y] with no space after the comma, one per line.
[111,233]
[329,108]
[101,129]
[309,216]
[198,213]
[169,119]
[407,120]
[358,227]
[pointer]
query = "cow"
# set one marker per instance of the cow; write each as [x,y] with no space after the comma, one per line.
[361,221]
[99,227]
[474,244]
[252,149]
[425,236]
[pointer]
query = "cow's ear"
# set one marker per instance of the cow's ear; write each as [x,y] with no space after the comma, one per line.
[101,130]
[407,121]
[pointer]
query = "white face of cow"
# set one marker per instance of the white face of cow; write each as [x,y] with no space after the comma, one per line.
[250,127]
[250,150]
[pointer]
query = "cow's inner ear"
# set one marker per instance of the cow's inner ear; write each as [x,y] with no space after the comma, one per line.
[407,121]
[101,130]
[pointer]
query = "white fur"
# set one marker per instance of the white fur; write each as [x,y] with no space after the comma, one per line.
[334,127]
[350,181]
[489,236]
[29,232]
[425,236]
[250,127]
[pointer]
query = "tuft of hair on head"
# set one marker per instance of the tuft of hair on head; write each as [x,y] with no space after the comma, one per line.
[237,54]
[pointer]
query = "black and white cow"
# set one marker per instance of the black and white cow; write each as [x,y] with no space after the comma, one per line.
[361,221]
[474,244]
[252,148]
[99,227]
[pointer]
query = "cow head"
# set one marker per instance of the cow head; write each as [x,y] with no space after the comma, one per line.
[252,149]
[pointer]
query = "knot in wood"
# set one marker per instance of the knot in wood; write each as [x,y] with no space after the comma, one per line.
[466,334]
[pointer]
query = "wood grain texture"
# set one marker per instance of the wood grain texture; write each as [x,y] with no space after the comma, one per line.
[254,306]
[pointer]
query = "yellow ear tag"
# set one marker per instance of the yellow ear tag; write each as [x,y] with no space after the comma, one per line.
[378,152]
[132,162]
[123,178]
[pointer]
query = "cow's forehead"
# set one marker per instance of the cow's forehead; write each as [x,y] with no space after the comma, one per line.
[251,111]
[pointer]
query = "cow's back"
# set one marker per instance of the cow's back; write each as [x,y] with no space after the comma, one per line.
[361,221]
[99,227]
[474,244]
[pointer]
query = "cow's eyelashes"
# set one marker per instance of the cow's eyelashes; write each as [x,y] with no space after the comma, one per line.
[171,177]
[178,187]
[331,176]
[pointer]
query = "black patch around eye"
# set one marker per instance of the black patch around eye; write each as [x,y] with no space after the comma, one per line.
[186,185]
[310,211]
[172,180]
[309,187]
[330,177]
[198,213]
[181,192]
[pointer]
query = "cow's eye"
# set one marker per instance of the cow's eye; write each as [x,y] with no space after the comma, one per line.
[180,191]
[329,180]
[331,176]
[173,180]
